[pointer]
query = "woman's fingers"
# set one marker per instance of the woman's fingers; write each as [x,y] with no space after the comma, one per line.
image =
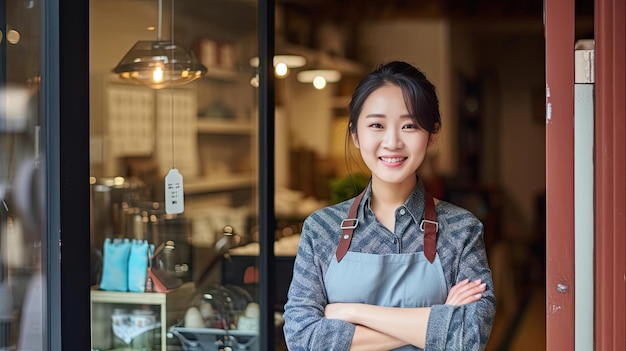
[465,292]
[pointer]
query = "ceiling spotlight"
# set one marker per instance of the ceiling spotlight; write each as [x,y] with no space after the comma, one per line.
[281,69]
[282,64]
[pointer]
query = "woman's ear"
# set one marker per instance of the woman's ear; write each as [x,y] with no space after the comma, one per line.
[355,139]
[431,140]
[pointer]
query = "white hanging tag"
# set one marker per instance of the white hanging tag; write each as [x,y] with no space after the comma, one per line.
[174,195]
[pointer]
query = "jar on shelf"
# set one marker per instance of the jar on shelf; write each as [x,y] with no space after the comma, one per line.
[120,322]
[143,323]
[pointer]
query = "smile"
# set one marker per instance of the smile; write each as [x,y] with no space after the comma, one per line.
[392,159]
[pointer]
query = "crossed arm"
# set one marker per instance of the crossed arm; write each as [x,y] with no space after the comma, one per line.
[379,327]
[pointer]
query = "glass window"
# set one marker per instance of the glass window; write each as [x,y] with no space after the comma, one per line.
[173,174]
[22,186]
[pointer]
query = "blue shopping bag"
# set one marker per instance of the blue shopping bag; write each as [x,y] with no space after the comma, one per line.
[138,265]
[115,265]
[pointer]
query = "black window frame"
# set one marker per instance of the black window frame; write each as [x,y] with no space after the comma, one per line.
[65,103]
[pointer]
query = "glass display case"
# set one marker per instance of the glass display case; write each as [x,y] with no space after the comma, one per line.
[135,321]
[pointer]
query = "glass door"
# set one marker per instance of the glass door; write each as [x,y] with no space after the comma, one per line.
[22,179]
[174,175]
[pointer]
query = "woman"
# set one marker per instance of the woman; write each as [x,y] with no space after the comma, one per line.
[392,268]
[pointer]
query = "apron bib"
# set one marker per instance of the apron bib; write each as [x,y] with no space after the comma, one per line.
[396,280]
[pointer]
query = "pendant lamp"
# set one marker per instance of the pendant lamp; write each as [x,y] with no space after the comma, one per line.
[159,64]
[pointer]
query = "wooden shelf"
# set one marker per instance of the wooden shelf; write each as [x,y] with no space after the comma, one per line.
[221,183]
[129,298]
[212,126]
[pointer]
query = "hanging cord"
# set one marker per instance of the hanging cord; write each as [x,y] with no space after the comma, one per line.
[172,78]
[159,20]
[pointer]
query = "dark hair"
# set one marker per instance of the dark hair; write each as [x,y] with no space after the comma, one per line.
[419,94]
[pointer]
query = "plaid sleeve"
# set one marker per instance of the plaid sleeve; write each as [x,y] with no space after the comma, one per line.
[464,327]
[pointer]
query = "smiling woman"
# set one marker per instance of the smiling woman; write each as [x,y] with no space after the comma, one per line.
[392,268]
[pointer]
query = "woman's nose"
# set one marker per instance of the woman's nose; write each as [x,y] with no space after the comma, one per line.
[392,139]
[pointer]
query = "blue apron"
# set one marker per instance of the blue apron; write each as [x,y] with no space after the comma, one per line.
[395,280]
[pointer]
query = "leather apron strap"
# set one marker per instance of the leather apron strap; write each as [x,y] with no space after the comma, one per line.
[347,227]
[429,226]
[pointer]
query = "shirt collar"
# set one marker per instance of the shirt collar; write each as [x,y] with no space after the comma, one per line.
[414,204]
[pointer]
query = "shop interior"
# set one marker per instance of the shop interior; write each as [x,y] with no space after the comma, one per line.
[486,59]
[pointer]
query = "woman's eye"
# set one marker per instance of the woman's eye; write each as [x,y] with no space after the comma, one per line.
[409,126]
[376,125]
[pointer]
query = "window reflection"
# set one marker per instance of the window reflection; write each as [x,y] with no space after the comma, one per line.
[22,186]
[207,131]
[22,224]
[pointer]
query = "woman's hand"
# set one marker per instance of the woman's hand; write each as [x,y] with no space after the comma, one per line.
[465,292]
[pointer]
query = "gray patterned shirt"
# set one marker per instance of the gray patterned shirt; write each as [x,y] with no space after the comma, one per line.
[461,250]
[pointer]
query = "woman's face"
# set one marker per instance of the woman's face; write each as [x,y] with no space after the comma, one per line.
[391,144]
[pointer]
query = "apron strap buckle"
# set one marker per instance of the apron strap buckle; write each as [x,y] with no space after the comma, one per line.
[426,221]
[349,223]
[430,232]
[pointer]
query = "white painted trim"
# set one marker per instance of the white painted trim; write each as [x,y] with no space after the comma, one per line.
[583,216]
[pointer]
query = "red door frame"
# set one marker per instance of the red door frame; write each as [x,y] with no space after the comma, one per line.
[610,175]
[559,36]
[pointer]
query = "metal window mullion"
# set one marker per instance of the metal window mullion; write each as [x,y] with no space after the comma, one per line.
[266,172]
[50,103]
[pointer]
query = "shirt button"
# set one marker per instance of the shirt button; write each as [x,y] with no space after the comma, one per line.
[402,212]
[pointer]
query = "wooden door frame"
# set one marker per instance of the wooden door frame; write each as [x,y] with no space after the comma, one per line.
[610,175]
[559,35]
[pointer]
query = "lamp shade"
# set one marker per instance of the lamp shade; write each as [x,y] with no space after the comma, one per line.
[159,64]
